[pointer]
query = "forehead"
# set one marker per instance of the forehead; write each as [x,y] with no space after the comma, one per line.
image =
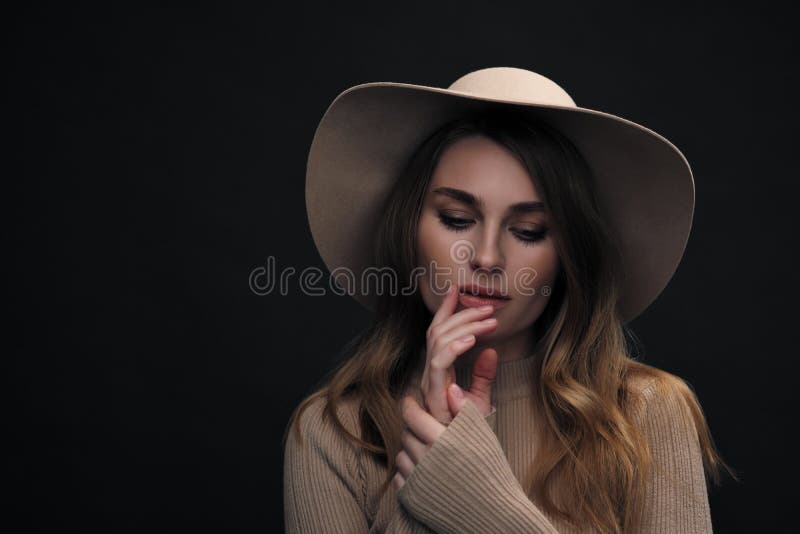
[484,168]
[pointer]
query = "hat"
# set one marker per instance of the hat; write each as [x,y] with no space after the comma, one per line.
[367,135]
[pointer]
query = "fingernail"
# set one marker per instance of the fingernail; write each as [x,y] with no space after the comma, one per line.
[467,339]
[486,308]
[457,391]
[490,320]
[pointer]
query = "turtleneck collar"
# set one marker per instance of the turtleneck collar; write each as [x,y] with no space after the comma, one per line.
[514,378]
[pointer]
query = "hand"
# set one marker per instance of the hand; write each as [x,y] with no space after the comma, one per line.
[423,429]
[449,336]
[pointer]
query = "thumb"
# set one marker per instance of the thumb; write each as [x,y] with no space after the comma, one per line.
[484,373]
[455,399]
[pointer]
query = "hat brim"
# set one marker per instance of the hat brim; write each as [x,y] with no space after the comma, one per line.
[368,133]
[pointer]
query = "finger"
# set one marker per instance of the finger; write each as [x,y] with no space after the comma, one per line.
[445,350]
[447,307]
[404,464]
[455,398]
[440,374]
[413,446]
[463,317]
[459,331]
[484,373]
[398,481]
[424,426]
[447,341]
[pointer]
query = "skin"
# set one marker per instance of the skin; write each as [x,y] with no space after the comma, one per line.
[500,243]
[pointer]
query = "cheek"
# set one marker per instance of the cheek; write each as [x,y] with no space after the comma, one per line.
[537,270]
[540,259]
[433,241]
[548,265]
[428,252]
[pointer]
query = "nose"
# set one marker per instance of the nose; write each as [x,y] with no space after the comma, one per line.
[488,255]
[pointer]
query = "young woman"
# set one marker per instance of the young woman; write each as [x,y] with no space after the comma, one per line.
[496,392]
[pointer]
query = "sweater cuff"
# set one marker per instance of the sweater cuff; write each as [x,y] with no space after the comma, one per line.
[404,523]
[464,483]
[491,420]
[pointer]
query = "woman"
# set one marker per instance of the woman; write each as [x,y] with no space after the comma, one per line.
[538,219]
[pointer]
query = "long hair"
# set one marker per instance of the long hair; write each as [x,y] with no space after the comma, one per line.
[588,443]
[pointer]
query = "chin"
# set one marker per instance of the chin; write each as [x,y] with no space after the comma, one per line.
[489,336]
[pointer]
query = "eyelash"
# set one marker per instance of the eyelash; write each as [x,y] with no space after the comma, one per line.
[456,224]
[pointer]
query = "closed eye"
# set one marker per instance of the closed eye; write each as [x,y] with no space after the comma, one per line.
[458,224]
[455,223]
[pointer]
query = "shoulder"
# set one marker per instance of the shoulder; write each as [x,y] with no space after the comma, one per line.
[322,471]
[657,386]
[315,419]
[663,401]
[671,423]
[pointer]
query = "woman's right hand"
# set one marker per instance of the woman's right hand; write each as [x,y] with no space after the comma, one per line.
[449,336]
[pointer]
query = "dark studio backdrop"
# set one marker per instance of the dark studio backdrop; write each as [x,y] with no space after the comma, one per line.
[157,157]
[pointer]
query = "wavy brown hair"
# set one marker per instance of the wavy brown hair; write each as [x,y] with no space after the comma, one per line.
[590,443]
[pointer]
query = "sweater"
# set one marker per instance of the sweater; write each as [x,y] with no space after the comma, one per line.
[471,478]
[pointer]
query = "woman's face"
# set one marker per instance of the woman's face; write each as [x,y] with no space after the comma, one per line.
[484,222]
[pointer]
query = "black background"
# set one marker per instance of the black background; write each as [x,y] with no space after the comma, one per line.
[157,157]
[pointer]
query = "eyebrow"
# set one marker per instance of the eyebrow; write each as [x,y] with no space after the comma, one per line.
[472,200]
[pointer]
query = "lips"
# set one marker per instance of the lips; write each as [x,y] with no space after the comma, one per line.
[476,296]
[483,292]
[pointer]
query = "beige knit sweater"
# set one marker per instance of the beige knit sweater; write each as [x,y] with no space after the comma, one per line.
[471,479]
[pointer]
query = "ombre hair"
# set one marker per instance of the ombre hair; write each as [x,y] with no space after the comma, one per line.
[589,442]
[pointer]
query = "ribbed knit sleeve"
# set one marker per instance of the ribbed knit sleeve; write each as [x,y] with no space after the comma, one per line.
[323,486]
[464,483]
[491,419]
[323,489]
[677,496]
[468,480]
[405,523]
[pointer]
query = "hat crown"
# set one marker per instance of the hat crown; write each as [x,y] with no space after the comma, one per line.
[515,84]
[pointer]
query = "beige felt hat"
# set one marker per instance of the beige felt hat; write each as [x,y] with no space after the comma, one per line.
[370,131]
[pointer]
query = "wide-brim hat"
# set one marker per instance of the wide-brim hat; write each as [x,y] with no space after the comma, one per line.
[368,133]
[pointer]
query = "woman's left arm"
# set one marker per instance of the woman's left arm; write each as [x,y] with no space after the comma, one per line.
[677,496]
[405,523]
[463,482]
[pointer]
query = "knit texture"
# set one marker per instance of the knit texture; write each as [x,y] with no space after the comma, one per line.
[472,478]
